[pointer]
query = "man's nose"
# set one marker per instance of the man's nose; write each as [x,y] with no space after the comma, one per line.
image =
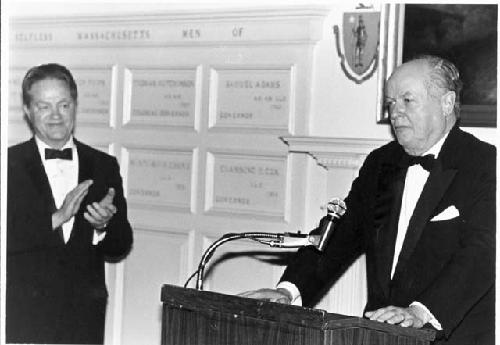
[55,112]
[393,114]
[396,110]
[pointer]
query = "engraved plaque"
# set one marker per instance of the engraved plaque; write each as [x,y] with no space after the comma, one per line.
[159,178]
[250,98]
[94,94]
[247,184]
[15,100]
[161,97]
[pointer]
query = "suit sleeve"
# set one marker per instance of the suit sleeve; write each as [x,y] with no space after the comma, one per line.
[118,240]
[470,273]
[313,272]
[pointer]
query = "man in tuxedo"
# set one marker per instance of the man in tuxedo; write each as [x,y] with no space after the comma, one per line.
[66,215]
[423,211]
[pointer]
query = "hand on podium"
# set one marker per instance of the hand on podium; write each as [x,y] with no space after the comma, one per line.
[272,295]
[412,316]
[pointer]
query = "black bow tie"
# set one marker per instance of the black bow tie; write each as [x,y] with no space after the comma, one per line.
[59,154]
[427,161]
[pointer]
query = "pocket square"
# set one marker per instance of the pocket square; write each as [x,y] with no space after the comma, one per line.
[449,213]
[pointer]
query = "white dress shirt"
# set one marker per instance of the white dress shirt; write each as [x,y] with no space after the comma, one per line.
[63,177]
[416,177]
[414,184]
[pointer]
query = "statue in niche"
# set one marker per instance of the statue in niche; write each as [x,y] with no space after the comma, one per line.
[360,37]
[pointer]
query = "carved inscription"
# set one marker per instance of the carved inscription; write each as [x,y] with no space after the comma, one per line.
[263,98]
[249,185]
[237,32]
[160,178]
[162,31]
[164,97]
[15,101]
[114,35]
[94,93]
[33,37]
[191,33]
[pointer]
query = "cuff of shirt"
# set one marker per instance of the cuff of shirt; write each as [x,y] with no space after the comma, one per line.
[294,292]
[98,237]
[429,316]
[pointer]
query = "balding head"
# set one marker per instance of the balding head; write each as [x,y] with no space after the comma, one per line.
[420,104]
[443,76]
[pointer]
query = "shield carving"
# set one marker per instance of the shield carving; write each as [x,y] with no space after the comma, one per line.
[358,50]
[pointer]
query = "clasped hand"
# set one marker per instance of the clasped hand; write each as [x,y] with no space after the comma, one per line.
[98,214]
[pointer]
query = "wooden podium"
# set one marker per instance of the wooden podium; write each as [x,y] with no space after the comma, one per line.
[192,317]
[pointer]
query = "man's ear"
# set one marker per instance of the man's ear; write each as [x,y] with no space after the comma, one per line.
[448,102]
[27,118]
[26,110]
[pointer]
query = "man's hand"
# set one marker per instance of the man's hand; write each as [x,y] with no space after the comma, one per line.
[71,204]
[271,295]
[99,213]
[412,316]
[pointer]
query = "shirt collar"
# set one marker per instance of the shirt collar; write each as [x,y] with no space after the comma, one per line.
[436,148]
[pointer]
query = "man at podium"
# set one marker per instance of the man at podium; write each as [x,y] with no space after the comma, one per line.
[423,211]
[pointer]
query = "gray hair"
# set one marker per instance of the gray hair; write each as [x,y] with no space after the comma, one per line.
[444,76]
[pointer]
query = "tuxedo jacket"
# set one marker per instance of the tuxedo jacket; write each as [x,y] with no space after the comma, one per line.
[448,264]
[56,292]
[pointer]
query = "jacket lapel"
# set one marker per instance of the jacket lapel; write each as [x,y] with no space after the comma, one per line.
[36,172]
[434,189]
[387,208]
[85,165]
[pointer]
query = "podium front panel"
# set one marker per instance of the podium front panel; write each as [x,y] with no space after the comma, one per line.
[192,317]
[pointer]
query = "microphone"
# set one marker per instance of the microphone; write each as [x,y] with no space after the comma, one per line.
[318,239]
[335,209]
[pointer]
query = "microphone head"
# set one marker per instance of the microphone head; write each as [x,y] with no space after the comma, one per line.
[336,207]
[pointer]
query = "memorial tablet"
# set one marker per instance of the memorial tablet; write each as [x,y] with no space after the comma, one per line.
[161,97]
[15,100]
[247,184]
[250,98]
[94,94]
[160,178]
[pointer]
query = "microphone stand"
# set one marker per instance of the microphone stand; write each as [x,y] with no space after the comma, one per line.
[336,208]
[286,240]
